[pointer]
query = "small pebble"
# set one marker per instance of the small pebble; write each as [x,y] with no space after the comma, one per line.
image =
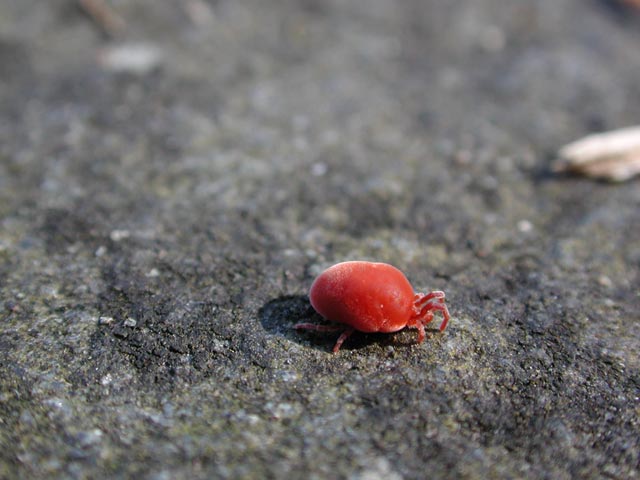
[153,273]
[134,58]
[525,226]
[105,320]
[605,281]
[118,235]
[89,438]
[130,322]
[319,169]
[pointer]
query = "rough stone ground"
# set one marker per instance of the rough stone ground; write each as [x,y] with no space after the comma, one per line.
[159,232]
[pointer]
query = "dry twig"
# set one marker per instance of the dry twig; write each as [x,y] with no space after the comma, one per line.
[103,15]
[632,3]
[613,156]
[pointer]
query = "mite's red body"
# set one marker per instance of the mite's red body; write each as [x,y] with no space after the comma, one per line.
[371,297]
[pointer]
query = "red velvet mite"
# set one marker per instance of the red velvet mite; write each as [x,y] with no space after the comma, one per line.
[371,297]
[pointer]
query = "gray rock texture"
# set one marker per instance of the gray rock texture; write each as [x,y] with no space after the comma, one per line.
[167,197]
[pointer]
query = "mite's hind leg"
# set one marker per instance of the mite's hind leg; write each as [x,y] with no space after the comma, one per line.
[342,338]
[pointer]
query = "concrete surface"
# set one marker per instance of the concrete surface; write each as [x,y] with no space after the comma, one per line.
[161,223]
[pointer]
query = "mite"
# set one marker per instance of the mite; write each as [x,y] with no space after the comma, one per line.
[371,297]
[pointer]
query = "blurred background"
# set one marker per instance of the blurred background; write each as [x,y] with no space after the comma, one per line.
[174,174]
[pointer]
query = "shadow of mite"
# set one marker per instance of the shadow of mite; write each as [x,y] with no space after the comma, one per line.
[279,315]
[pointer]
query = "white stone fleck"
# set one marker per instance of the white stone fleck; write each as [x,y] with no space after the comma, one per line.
[380,469]
[90,437]
[289,376]
[105,320]
[525,226]
[117,235]
[605,281]
[135,58]
[319,169]
[154,272]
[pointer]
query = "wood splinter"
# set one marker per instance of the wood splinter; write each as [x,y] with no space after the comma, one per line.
[103,15]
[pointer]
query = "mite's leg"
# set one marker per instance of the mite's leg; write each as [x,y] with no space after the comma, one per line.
[421,333]
[439,306]
[421,298]
[420,323]
[342,338]
[327,328]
